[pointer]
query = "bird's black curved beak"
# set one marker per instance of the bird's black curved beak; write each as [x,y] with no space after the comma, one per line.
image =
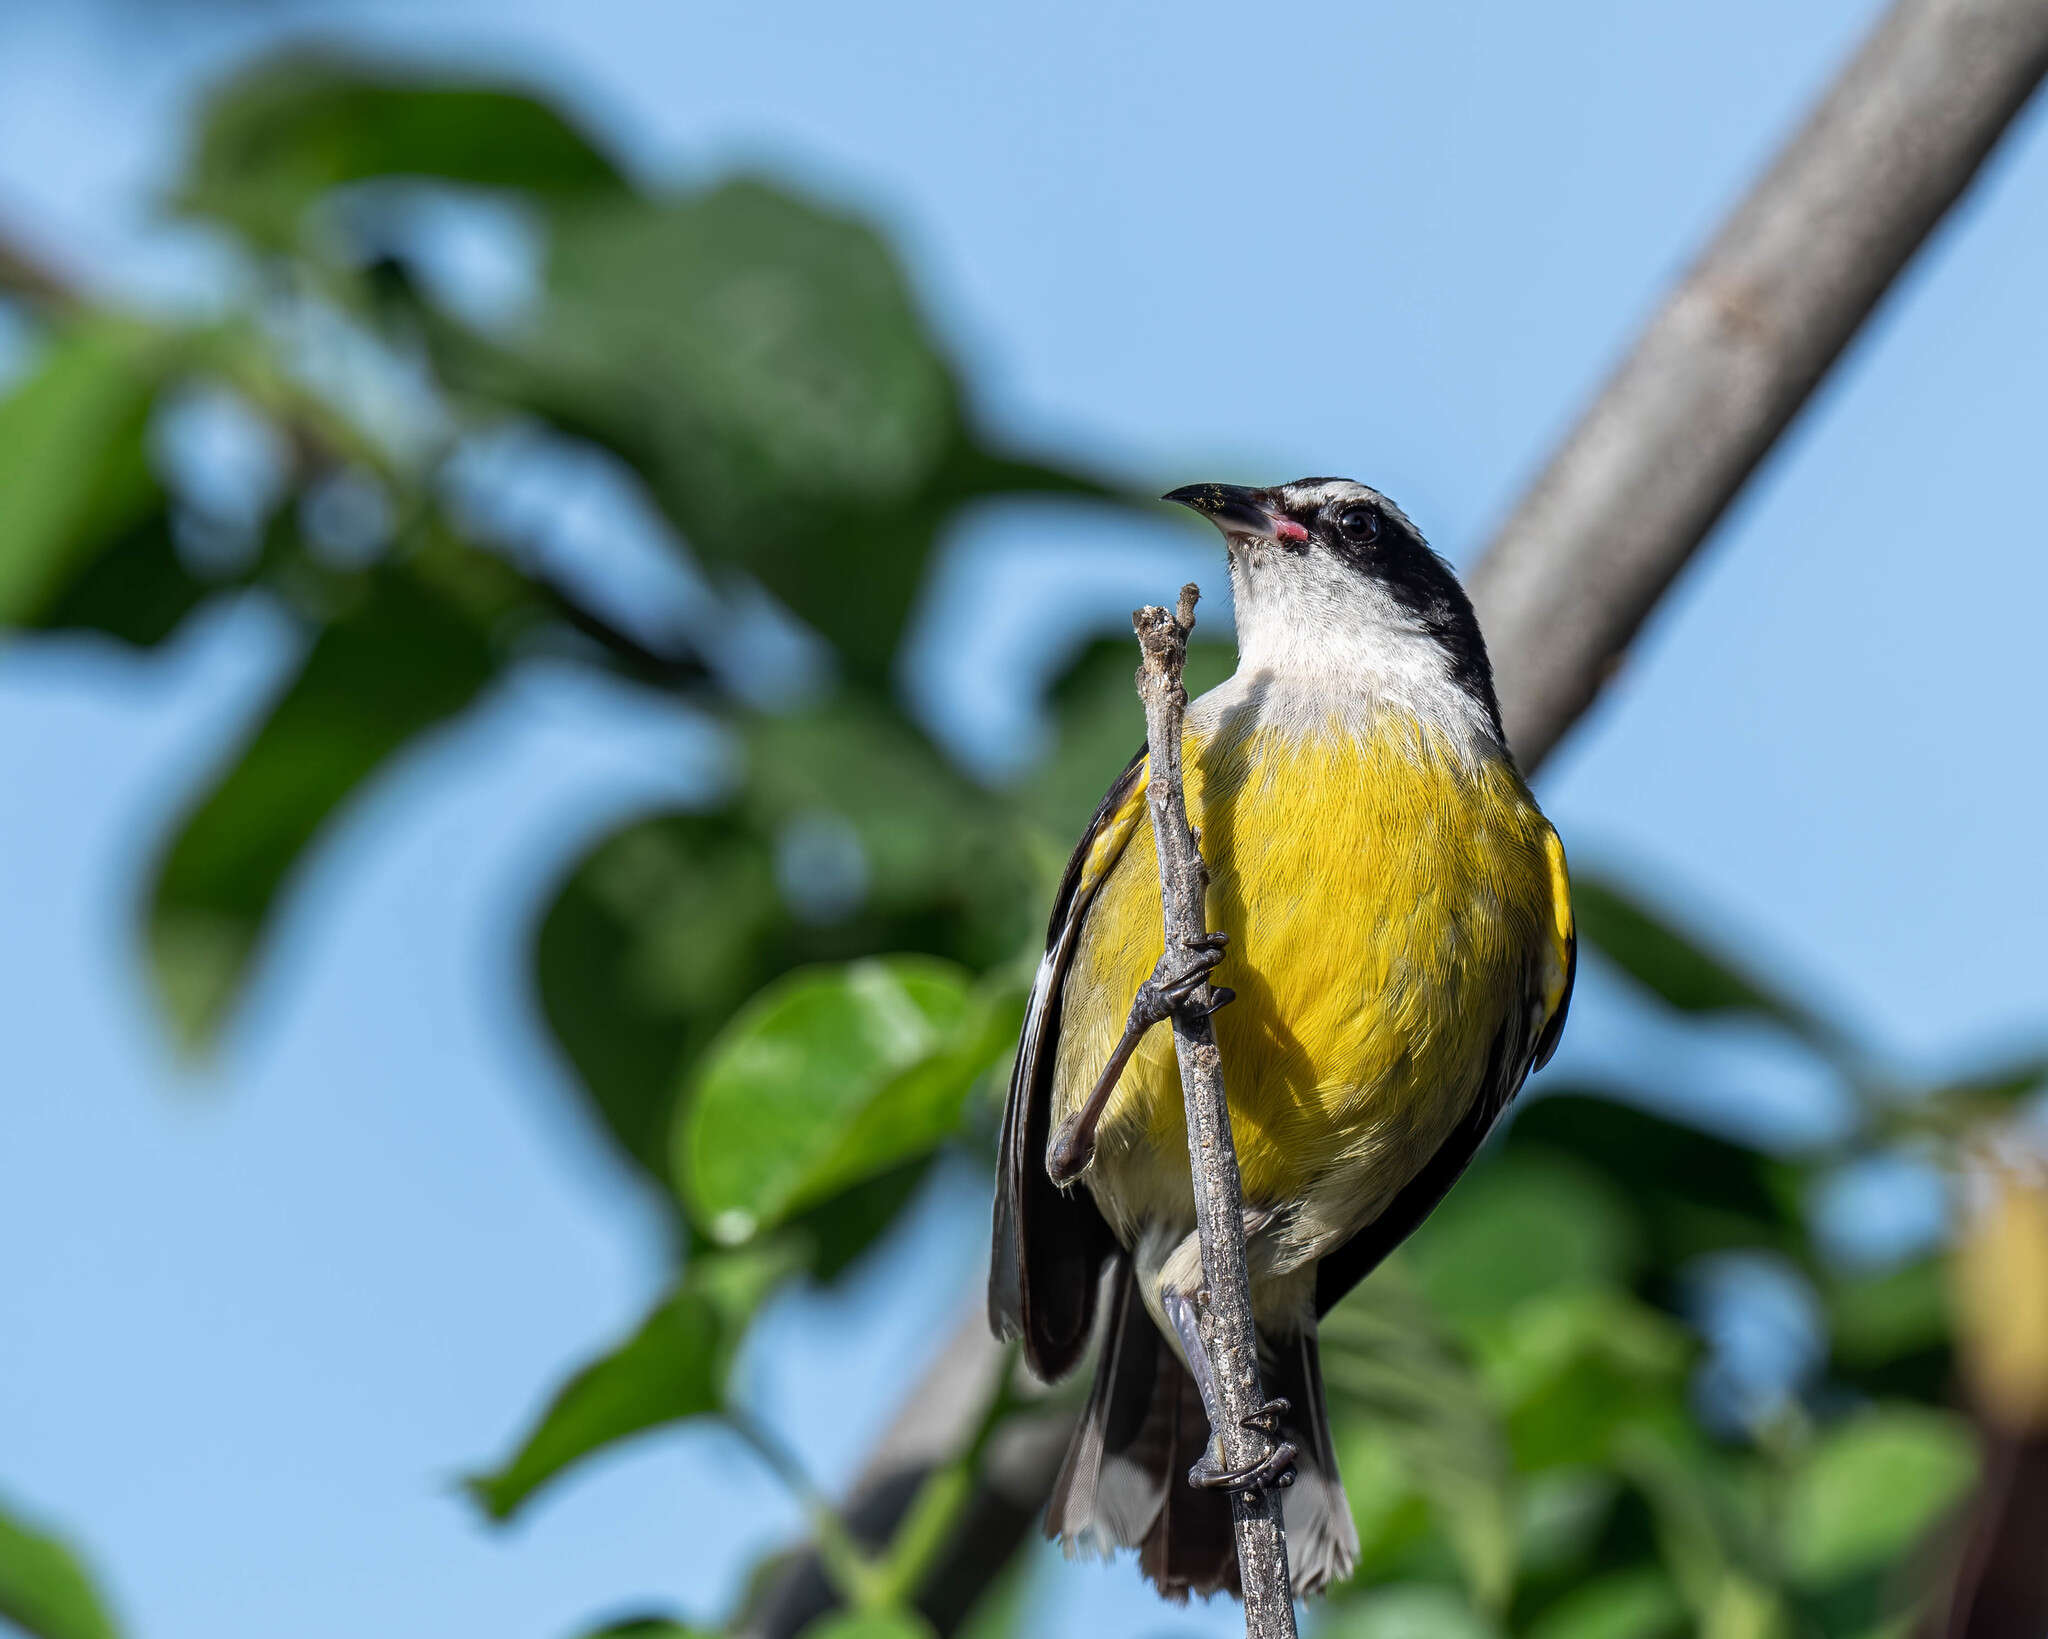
[1239,511]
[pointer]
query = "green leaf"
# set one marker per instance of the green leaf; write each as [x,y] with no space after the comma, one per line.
[1561,1515]
[1872,1488]
[1989,1095]
[836,1231]
[1416,1610]
[760,361]
[1523,1224]
[912,1113]
[1639,1603]
[667,927]
[403,659]
[932,844]
[2002,1084]
[784,331]
[1676,967]
[882,1624]
[650,944]
[1877,1320]
[1578,1368]
[673,1367]
[74,470]
[135,588]
[648,1627]
[44,1590]
[831,1076]
[276,137]
[1691,1192]
[1398,1387]
[1396,1526]
[1000,1609]
[1708,1535]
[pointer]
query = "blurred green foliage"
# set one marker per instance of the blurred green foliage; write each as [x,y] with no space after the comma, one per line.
[829,1078]
[44,1590]
[777,1056]
[674,1366]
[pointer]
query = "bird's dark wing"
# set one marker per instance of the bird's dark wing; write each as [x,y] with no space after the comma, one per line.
[1049,1243]
[1524,1043]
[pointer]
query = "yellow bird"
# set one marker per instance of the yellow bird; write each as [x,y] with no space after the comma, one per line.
[1397,930]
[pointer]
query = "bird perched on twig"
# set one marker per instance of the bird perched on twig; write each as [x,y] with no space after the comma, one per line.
[1398,941]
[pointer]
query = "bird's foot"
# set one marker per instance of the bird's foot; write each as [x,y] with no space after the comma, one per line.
[1072,1148]
[1174,988]
[1175,984]
[1272,1472]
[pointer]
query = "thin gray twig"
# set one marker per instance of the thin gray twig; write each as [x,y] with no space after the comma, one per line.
[1228,1335]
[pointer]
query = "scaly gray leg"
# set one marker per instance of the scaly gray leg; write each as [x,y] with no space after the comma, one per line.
[1274,1471]
[1167,992]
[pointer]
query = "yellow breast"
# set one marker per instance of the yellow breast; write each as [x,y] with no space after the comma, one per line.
[1385,898]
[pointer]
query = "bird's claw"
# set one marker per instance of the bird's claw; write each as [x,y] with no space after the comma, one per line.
[1272,1472]
[1267,1418]
[1172,988]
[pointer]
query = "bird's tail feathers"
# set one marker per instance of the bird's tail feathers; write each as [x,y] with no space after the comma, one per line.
[1124,1482]
[1322,1537]
[1109,1489]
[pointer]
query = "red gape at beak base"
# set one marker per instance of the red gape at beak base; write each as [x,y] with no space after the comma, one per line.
[1286,529]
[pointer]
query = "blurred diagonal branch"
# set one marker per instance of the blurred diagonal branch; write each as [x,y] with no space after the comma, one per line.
[1736,348]
[667,663]
[24,273]
[2001,1587]
[2000,1281]
[1727,361]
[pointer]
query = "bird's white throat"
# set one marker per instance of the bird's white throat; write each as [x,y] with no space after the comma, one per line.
[1321,646]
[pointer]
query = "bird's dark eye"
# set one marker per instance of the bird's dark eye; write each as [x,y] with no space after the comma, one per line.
[1360,523]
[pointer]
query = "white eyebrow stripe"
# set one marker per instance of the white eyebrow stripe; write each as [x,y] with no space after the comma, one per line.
[1306,494]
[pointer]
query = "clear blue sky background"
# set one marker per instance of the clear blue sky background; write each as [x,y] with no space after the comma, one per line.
[254,1319]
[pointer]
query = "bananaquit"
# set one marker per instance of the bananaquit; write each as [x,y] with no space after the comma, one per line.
[1401,953]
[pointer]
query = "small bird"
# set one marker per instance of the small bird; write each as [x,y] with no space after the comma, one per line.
[1397,931]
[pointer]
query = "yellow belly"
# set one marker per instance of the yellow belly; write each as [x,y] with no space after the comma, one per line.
[1385,901]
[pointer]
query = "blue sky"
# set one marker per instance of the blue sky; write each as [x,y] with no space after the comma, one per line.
[253,1318]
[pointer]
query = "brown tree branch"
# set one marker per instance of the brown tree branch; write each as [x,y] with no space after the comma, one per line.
[936,1421]
[1717,374]
[1228,1336]
[25,273]
[2001,1584]
[1736,349]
